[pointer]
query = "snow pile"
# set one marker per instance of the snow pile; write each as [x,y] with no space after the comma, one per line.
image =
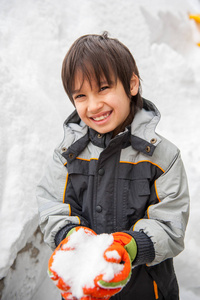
[35,36]
[27,272]
[83,261]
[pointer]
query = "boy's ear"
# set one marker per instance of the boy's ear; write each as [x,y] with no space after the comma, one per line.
[134,85]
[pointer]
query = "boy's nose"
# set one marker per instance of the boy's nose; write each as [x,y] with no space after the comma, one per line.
[94,105]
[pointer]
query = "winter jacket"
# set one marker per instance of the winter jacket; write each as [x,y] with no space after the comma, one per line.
[134,182]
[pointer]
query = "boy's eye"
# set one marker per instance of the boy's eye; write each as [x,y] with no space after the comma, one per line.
[103,88]
[79,96]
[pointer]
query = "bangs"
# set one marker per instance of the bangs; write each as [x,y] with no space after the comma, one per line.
[93,65]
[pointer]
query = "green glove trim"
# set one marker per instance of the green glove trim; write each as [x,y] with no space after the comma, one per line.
[71,231]
[131,248]
[113,285]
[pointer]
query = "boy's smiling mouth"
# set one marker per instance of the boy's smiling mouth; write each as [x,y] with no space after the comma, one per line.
[101,117]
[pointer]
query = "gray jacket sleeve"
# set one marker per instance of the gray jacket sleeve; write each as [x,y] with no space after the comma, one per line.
[166,221]
[53,213]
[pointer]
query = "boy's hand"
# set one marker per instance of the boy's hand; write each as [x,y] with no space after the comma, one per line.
[127,241]
[121,252]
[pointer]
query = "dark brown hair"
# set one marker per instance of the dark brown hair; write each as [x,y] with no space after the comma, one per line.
[99,55]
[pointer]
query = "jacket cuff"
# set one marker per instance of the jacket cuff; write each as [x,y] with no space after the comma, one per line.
[62,233]
[145,248]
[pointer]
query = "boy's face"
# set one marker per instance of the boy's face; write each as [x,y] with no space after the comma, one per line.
[103,109]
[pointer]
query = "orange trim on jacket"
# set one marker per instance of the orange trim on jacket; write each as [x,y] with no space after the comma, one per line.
[135,163]
[155,289]
[65,188]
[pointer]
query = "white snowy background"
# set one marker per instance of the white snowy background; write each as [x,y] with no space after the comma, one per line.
[34,38]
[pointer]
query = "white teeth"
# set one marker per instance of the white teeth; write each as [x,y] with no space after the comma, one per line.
[101,118]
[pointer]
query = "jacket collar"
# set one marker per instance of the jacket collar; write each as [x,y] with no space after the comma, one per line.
[140,134]
[143,135]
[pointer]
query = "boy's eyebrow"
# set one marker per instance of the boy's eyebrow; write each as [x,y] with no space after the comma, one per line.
[103,82]
[106,82]
[75,91]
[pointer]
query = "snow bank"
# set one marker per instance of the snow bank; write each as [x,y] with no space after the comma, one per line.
[35,36]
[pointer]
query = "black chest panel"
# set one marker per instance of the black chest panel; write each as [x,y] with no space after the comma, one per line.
[111,195]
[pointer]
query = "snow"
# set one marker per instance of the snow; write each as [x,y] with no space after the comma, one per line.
[112,255]
[35,35]
[84,255]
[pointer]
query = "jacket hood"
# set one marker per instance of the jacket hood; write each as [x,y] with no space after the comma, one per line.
[143,128]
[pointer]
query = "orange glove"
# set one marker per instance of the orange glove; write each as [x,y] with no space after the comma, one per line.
[95,293]
[127,241]
[126,249]
[122,251]
[103,287]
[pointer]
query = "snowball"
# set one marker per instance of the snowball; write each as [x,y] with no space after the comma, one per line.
[79,267]
[112,254]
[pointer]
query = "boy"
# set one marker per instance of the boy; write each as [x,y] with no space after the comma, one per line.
[112,173]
